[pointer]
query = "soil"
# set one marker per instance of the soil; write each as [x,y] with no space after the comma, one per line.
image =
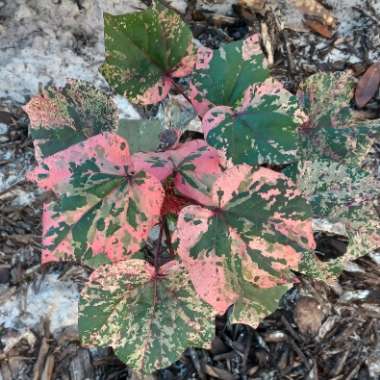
[318,332]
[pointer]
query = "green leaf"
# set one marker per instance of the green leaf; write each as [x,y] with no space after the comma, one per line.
[254,304]
[259,135]
[149,319]
[64,117]
[142,135]
[223,76]
[144,50]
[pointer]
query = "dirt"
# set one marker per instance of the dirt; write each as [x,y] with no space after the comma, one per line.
[319,331]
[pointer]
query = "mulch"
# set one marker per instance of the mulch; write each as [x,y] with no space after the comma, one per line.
[320,332]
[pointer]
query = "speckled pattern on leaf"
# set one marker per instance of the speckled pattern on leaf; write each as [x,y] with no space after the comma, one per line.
[101,208]
[343,194]
[194,165]
[257,230]
[332,131]
[333,148]
[144,51]
[223,76]
[66,116]
[149,319]
[263,132]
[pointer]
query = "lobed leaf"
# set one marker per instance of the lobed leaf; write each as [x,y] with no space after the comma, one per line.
[241,64]
[333,132]
[343,194]
[101,209]
[149,319]
[61,117]
[144,51]
[194,167]
[263,132]
[256,231]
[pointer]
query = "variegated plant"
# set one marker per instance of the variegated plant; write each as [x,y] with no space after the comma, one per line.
[335,172]
[175,231]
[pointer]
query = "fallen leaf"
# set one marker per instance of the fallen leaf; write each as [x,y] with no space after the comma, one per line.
[368,85]
[319,28]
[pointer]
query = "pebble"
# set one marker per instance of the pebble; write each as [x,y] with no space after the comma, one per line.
[4,128]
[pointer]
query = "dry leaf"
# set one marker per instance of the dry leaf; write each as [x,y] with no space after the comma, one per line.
[368,85]
[317,27]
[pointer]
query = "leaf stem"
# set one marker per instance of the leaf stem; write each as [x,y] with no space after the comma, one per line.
[182,91]
[168,237]
[158,248]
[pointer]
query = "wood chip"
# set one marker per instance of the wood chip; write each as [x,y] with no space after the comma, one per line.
[39,365]
[218,373]
[47,374]
[308,315]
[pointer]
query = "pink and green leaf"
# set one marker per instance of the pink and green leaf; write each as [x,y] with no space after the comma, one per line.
[101,208]
[61,117]
[262,133]
[157,164]
[196,168]
[256,231]
[145,51]
[148,318]
[240,64]
[332,131]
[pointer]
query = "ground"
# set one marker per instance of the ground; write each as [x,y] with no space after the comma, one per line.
[320,331]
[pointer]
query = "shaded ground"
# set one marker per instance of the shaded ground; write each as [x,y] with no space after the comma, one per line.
[319,333]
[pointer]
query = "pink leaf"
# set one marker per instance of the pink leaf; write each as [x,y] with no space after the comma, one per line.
[256,231]
[200,103]
[197,167]
[206,271]
[157,164]
[101,207]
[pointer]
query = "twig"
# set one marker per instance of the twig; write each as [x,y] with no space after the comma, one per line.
[39,366]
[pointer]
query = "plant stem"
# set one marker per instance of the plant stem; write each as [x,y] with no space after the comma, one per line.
[158,248]
[168,237]
[182,91]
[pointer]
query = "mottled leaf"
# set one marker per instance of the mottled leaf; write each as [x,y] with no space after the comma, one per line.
[193,164]
[368,85]
[343,194]
[149,319]
[332,131]
[264,131]
[101,209]
[144,51]
[255,232]
[223,76]
[66,116]
[196,166]
[157,164]
[254,304]
[142,135]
